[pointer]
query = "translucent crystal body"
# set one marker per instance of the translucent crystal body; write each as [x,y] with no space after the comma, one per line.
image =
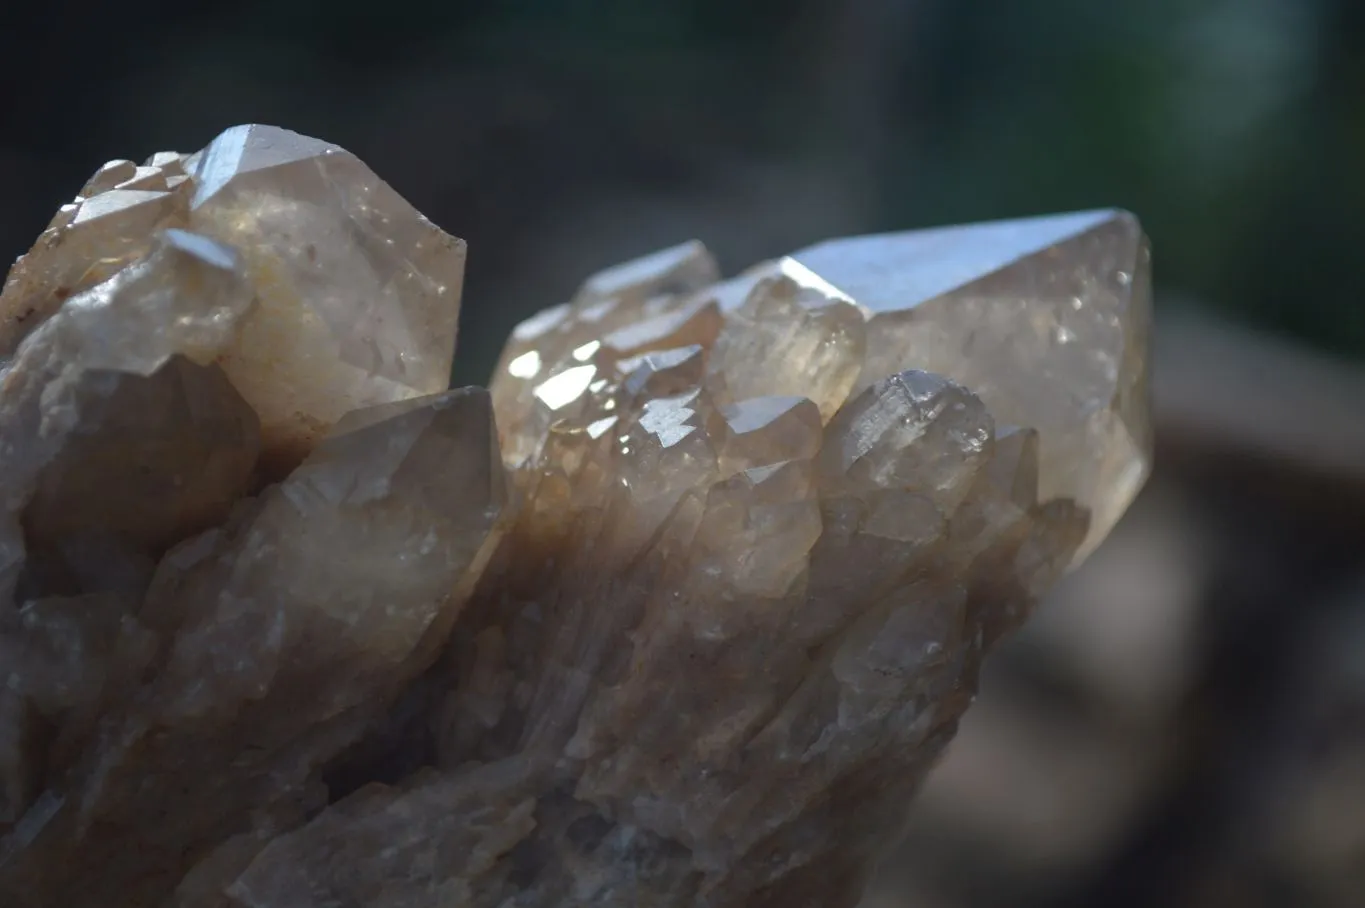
[678,613]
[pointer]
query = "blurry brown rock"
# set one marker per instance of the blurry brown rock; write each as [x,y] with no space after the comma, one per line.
[679,612]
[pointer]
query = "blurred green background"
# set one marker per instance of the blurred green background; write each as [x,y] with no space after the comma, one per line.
[558,135]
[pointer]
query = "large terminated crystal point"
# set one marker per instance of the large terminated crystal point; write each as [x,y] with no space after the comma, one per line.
[679,615]
[355,294]
[1044,319]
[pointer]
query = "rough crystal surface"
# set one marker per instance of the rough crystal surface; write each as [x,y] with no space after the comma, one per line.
[678,613]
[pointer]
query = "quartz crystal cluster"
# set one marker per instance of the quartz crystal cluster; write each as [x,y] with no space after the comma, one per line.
[679,612]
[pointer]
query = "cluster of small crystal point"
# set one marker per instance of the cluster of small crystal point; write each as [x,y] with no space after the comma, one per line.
[677,613]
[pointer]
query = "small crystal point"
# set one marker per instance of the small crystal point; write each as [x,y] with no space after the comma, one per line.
[913,431]
[794,334]
[86,244]
[107,177]
[156,459]
[678,269]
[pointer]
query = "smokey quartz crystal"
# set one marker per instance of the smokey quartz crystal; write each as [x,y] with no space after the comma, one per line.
[678,612]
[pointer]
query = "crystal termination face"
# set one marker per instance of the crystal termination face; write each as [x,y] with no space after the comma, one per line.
[678,612]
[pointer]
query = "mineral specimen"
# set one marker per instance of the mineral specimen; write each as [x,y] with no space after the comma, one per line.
[679,612]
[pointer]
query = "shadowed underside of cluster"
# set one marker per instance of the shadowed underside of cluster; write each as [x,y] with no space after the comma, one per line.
[678,612]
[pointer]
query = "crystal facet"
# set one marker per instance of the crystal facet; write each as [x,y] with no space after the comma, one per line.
[109,225]
[678,613]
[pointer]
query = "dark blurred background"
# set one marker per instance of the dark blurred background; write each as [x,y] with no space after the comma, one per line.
[1184,724]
